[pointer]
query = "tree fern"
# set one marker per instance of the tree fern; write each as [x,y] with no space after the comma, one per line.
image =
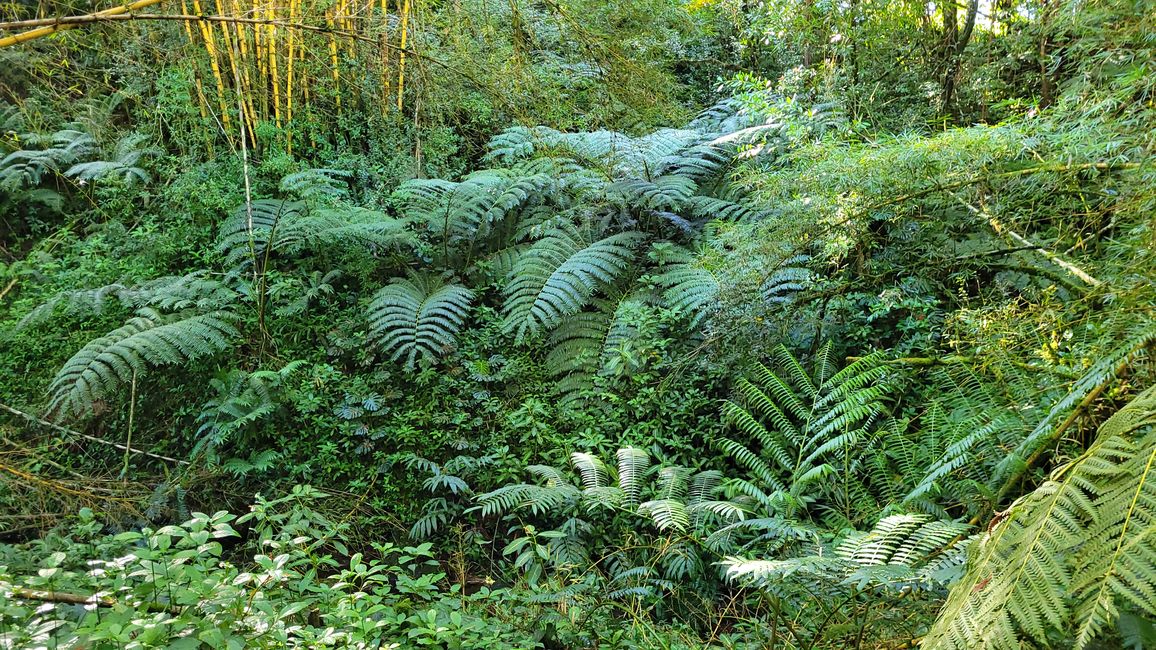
[106,364]
[1070,556]
[242,399]
[900,551]
[558,275]
[170,293]
[125,165]
[418,318]
[270,226]
[28,167]
[317,183]
[583,346]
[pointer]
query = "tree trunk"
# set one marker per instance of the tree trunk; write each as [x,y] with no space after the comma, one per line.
[956,45]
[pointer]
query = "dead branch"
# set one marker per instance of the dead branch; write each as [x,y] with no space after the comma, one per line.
[57,427]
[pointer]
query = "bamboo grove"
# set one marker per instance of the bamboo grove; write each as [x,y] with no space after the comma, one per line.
[257,62]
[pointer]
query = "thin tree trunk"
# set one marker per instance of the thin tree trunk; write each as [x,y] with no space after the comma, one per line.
[956,45]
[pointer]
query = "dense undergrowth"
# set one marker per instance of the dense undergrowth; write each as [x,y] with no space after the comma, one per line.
[573,325]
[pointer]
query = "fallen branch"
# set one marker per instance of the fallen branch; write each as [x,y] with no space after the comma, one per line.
[8,288]
[1002,230]
[1027,171]
[57,427]
[21,593]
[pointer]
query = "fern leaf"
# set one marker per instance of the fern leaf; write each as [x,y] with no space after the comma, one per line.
[418,318]
[106,364]
[556,278]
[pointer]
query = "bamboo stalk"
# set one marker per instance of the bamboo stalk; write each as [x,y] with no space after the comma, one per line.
[53,28]
[273,72]
[333,62]
[231,54]
[386,79]
[245,82]
[401,57]
[211,47]
[202,103]
[289,79]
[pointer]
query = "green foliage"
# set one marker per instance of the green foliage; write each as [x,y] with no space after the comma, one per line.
[1073,555]
[298,586]
[945,317]
[800,429]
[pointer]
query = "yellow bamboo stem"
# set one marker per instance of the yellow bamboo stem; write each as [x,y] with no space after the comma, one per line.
[273,72]
[246,78]
[333,62]
[386,79]
[234,67]
[293,4]
[201,101]
[41,32]
[401,55]
[211,47]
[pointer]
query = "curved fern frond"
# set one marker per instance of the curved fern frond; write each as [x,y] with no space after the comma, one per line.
[667,514]
[317,182]
[418,318]
[269,226]
[632,465]
[1070,556]
[691,290]
[595,473]
[106,364]
[556,278]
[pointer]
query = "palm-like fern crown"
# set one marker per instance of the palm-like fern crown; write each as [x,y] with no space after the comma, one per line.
[798,427]
[1070,557]
[683,506]
[564,219]
[418,318]
[128,155]
[26,168]
[906,551]
[680,499]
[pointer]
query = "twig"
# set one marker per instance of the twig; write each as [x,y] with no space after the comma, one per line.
[8,287]
[1001,251]
[57,427]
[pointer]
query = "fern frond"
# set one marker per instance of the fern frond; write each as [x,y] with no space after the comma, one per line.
[667,514]
[556,278]
[1068,556]
[691,290]
[632,465]
[595,473]
[418,318]
[106,364]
